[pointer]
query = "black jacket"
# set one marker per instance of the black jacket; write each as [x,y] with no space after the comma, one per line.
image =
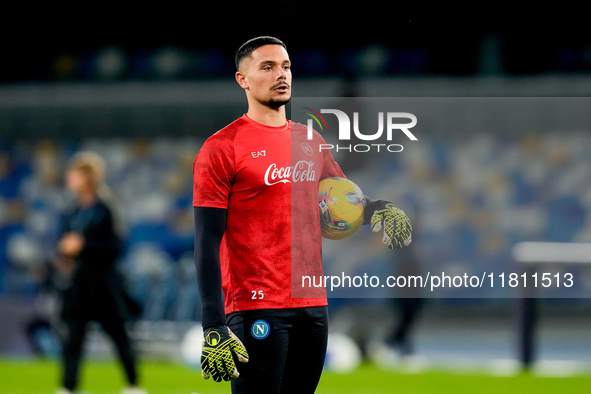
[97,290]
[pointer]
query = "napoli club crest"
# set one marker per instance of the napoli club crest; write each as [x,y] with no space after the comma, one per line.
[260,329]
[307,148]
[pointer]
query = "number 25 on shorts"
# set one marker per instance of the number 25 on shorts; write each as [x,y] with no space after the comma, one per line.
[257,295]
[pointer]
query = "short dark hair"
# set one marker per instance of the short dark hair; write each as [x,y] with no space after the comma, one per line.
[249,46]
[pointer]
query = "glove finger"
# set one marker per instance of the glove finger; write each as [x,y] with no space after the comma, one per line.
[376,221]
[408,240]
[206,369]
[240,353]
[238,348]
[386,240]
[241,358]
[214,372]
[377,226]
[215,369]
[204,364]
[234,374]
[230,371]
[228,366]
[406,236]
[222,372]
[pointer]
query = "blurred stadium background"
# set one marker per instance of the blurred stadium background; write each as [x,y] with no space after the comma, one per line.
[146,97]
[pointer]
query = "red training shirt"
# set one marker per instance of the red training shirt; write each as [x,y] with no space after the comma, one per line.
[267,178]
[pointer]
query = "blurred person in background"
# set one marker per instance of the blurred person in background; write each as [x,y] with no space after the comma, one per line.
[88,249]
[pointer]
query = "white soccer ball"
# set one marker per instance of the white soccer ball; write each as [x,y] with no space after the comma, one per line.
[342,354]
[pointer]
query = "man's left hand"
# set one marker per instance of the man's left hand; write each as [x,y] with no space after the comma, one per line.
[396,225]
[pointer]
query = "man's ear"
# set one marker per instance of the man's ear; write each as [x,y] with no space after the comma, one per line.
[241,79]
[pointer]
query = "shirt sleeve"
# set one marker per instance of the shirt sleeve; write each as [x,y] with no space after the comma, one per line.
[213,173]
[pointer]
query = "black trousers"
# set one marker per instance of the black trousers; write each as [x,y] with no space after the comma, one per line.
[74,341]
[286,347]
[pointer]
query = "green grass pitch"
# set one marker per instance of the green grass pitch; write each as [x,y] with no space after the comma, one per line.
[104,377]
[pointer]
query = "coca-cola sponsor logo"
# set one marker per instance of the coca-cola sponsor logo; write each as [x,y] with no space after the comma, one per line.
[302,171]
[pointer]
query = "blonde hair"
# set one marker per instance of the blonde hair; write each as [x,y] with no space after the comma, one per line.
[91,165]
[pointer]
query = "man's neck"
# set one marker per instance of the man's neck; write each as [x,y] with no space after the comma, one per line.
[268,116]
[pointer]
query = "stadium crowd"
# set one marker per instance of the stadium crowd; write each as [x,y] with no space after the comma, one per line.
[470,201]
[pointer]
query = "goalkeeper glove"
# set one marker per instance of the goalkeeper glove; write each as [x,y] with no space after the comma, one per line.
[387,216]
[219,346]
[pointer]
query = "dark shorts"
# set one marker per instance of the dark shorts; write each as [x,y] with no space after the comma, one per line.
[286,349]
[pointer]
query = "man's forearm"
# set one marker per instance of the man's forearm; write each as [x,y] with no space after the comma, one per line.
[210,224]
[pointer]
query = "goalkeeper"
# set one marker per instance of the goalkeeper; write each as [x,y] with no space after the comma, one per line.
[249,230]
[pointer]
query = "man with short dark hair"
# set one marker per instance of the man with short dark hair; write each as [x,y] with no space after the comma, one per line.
[251,235]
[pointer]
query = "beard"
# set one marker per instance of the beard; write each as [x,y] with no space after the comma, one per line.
[278,102]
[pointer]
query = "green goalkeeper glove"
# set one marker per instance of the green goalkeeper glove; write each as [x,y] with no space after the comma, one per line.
[219,346]
[387,216]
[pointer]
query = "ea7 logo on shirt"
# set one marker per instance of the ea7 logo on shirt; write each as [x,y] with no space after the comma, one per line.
[258,153]
[302,171]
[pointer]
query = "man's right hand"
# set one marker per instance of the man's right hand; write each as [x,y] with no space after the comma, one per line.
[219,346]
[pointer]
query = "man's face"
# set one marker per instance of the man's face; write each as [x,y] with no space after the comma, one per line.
[266,75]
